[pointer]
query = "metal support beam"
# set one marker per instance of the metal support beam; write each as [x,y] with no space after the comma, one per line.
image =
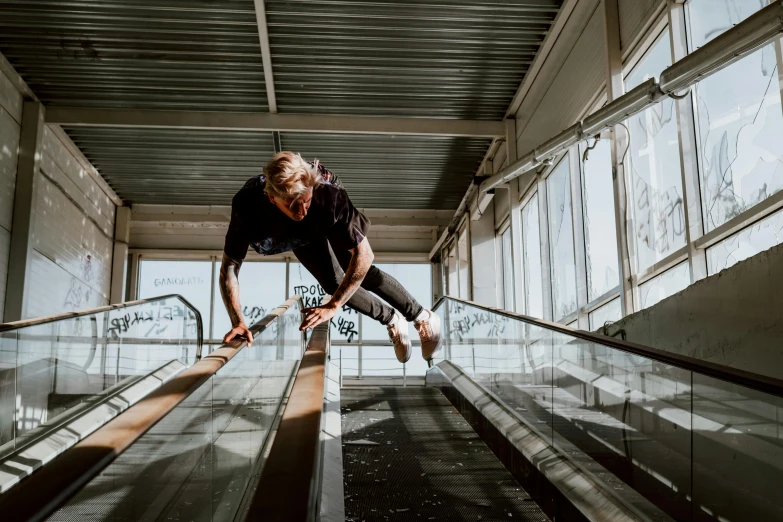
[119,264]
[269,122]
[21,248]
[266,55]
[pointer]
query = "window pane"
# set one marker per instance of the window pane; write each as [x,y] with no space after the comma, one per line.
[451,268]
[756,238]
[190,279]
[345,325]
[561,241]
[599,218]
[740,122]
[610,312]
[508,270]
[261,288]
[656,177]
[660,287]
[531,257]
[464,264]
[416,278]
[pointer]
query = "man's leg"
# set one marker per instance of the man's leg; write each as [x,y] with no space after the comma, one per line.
[388,288]
[318,259]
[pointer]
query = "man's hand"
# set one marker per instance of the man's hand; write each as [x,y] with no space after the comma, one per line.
[240,330]
[317,315]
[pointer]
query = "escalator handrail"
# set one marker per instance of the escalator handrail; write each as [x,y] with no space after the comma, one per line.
[39,495]
[754,381]
[25,323]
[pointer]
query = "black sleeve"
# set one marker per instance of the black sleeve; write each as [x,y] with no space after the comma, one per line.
[237,240]
[350,226]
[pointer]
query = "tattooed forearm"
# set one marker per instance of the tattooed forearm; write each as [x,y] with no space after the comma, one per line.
[229,289]
[360,264]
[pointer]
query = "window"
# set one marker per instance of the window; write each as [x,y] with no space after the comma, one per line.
[655,181]
[190,279]
[345,325]
[262,287]
[664,285]
[531,259]
[739,118]
[756,238]
[610,312]
[599,220]
[561,240]
[464,264]
[451,269]
[508,269]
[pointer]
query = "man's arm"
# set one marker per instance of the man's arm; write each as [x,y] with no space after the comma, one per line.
[361,261]
[229,290]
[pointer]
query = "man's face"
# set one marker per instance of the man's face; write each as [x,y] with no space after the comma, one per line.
[295,209]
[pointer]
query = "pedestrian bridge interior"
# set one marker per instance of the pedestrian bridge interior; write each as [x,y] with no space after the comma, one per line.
[586,192]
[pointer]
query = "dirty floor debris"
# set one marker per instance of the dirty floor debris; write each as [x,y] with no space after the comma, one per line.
[428,463]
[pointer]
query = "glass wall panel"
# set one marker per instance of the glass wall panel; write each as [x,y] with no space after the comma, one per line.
[664,285]
[756,238]
[610,312]
[656,176]
[190,279]
[599,220]
[739,118]
[561,241]
[464,264]
[531,259]
[261,287]
[451,269]
[508,270]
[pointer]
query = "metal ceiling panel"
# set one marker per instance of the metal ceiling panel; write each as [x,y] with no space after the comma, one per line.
[176,167]
[457,59]
[169,54]
[407,172]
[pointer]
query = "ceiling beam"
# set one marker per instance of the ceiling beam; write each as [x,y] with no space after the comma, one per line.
[266,55]
[268,122]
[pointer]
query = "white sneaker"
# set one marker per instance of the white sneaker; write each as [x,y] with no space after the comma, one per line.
[398,334]
[429,333]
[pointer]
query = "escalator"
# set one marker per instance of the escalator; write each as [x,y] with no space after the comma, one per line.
[521,419]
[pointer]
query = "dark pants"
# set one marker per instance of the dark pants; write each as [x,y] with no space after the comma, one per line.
[317,257]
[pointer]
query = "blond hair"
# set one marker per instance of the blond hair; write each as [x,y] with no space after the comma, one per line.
[289,176]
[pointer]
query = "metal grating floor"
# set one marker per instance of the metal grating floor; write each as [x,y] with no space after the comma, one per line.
[428,463]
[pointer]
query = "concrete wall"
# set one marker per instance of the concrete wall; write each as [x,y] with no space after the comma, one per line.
[732,318]
[10,126]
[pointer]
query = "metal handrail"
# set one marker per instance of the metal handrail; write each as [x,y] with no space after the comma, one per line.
[25,323]
[39,495]
[762,383]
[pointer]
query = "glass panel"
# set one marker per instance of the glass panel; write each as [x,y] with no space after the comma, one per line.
[452,272]
[197,463]
[756,238]
[345,325]
[599,218]
[561,241]
[464,264]
[531,257]
[262,288]
[656,176]
[740,122]
[190,279]
[609,312]
[55,376]
[664,285]
[737,452]
[508,270]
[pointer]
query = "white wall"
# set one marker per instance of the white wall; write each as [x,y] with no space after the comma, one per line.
[73,228]
[10,121]
[635,17]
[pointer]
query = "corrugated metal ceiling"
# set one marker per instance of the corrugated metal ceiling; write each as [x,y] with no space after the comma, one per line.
[409,58]
[177,54]
[456,59]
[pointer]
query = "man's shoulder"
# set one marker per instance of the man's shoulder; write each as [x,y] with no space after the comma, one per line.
[251,190]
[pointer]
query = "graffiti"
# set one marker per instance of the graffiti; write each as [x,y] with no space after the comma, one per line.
[312,295]
[156,321]
[253,314]
[180,281]
[469,324]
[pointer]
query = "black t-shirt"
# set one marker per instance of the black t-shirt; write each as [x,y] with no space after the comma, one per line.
[256,222]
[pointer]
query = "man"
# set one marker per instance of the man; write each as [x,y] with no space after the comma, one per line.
[301,206]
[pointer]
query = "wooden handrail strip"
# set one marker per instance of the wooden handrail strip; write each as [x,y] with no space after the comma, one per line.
[284,492]
[38,496]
